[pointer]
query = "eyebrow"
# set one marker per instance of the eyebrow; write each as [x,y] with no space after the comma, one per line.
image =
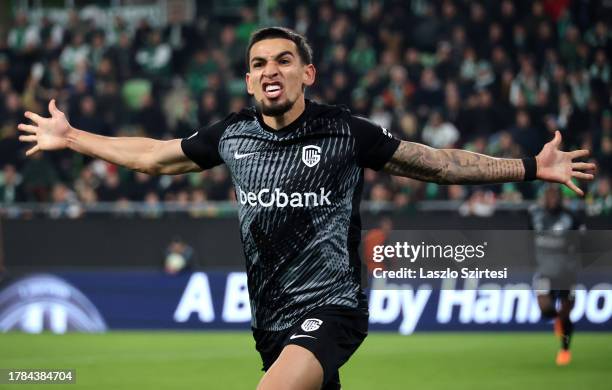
[279,55]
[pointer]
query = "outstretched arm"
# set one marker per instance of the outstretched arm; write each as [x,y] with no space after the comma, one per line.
[453,166]
[141,154]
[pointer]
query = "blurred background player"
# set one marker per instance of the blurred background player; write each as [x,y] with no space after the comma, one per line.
[376,237]
[179,257]
[558,261]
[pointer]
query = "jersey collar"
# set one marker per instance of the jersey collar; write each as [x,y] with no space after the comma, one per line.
[291,126]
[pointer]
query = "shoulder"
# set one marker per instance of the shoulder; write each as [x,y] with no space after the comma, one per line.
[361,121]
[361,124]
[246,114]
[322,110]
[356,123]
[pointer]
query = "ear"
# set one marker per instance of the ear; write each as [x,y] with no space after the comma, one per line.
[247,79]
[308,77]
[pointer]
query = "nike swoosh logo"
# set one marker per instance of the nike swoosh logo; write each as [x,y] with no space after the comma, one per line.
[238,156]
[297,336]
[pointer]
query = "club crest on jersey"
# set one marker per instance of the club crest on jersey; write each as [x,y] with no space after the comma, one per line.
[311,155]
[311,324]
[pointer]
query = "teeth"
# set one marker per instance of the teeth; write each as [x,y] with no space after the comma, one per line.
[272,88]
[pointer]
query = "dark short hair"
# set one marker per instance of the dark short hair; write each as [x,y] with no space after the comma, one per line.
[304,49]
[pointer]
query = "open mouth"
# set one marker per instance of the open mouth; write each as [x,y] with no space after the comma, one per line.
[272,90]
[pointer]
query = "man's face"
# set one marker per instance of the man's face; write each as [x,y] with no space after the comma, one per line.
[552,198]
[277,75]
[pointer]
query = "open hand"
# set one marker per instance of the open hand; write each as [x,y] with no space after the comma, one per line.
[557,166]
[46,133]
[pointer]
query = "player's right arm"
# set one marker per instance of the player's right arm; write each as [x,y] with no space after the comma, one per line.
[155,157]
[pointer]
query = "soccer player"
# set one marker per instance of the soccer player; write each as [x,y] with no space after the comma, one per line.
[297,167]
[557,259]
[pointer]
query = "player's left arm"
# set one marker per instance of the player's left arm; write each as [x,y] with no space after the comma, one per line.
[454,166]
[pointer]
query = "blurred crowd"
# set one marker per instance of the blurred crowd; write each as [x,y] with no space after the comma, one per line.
[492,77]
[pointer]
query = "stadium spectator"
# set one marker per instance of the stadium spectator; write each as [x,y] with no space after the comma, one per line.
[23,36]
[10,185]
[200,68]
[152,207]
[247,25]
[64,201]
[155,57]
[362,57]
[122,56]
[98,49]
[525,135]
[480,204]
[173,186]
[150,117]
[208,110]
[87,196]
[10,151]
[141,34]
[232,49]
[399,90]
[143,185]
[599,200]
[110,190]
[220,187]
[88,117]
[39,176]
[527,84]
[87,180]
[198,200]
[605,137]
[429,95]
[439,133]
[181,38]
[76,52]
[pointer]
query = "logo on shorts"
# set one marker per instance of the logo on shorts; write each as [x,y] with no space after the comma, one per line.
[299,336]
[311,155]
[311,324]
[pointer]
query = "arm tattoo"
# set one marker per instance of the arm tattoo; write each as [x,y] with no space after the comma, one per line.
[452,166]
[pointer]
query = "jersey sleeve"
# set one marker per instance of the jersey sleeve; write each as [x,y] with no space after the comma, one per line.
[202,147]
[375,145]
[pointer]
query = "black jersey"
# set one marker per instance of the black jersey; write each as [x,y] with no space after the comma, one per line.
[556,241]
[298,190]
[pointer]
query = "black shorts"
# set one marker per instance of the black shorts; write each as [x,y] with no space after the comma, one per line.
[544,285]
[331,333]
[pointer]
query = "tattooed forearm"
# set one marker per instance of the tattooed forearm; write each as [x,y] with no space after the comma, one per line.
[452,166]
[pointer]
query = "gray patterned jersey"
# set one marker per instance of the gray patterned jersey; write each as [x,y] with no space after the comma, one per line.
[556,241]
[298,190]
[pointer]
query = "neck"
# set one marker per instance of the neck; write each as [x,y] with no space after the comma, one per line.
[278,122]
